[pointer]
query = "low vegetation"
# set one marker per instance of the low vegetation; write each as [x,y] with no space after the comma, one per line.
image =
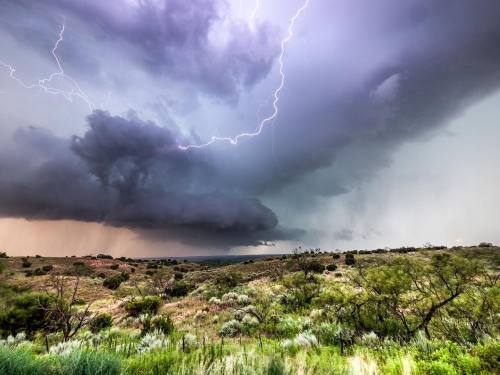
[429,310]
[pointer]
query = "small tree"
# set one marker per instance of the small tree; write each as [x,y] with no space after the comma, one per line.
[63,314]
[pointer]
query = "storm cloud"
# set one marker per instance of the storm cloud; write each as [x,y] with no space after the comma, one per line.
[126,172]
[362,79]
[171,38]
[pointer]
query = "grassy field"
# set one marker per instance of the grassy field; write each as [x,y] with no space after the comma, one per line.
[400,311]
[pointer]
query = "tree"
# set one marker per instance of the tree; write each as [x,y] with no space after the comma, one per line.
[404,295]
[300,290]
[306,262]
[63,314]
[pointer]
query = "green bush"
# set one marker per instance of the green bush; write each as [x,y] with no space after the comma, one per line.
[331,267]
[100,322]
[178,289]
[113,282]
[25,263]
[350,260]
[163,323]
[147,305]
[489,354]
[114,266]
[25,313]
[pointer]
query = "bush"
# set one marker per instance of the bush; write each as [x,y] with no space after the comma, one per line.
[178,289]
[100,322]
[38,272]
[228,279]
[336,256]
[80,269]
[25,263]
[230,328]
[350,260]
[114,266]
[104,256]
[114,282]
[3,254]
[489,353]
[26,313]
[163,323]
[48,268]
[331,267]
[146,305]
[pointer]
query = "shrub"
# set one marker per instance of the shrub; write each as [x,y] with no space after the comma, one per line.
[230,328]
[100,322]
[336,256]
[48,268]
[25,263]
[178,289]
[80,269]
[26,313]
[114,266]
[114,282]
[38,272]
[489,353]
[331,267]
[350,260]
[163,323]
[104,256]
[146,305]
[228,279]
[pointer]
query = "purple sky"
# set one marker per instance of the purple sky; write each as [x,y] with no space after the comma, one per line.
[381,106]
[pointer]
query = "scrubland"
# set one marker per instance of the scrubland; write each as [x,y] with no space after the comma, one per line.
[431,310]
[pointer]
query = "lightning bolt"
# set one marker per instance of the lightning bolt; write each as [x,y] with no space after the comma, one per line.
[45,84]
[234,140]
[253,15]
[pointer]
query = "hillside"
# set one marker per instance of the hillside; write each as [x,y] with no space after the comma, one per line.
[428,310]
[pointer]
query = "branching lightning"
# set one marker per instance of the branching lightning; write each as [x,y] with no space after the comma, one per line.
[45,84]
[234,140]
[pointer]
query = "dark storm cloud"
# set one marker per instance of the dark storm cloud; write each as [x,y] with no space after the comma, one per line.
[126,172]
[382,74]
[170,38]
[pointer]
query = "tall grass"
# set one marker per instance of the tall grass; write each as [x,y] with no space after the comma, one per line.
[271,358]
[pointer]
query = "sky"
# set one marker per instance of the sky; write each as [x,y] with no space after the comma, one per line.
[171,128]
